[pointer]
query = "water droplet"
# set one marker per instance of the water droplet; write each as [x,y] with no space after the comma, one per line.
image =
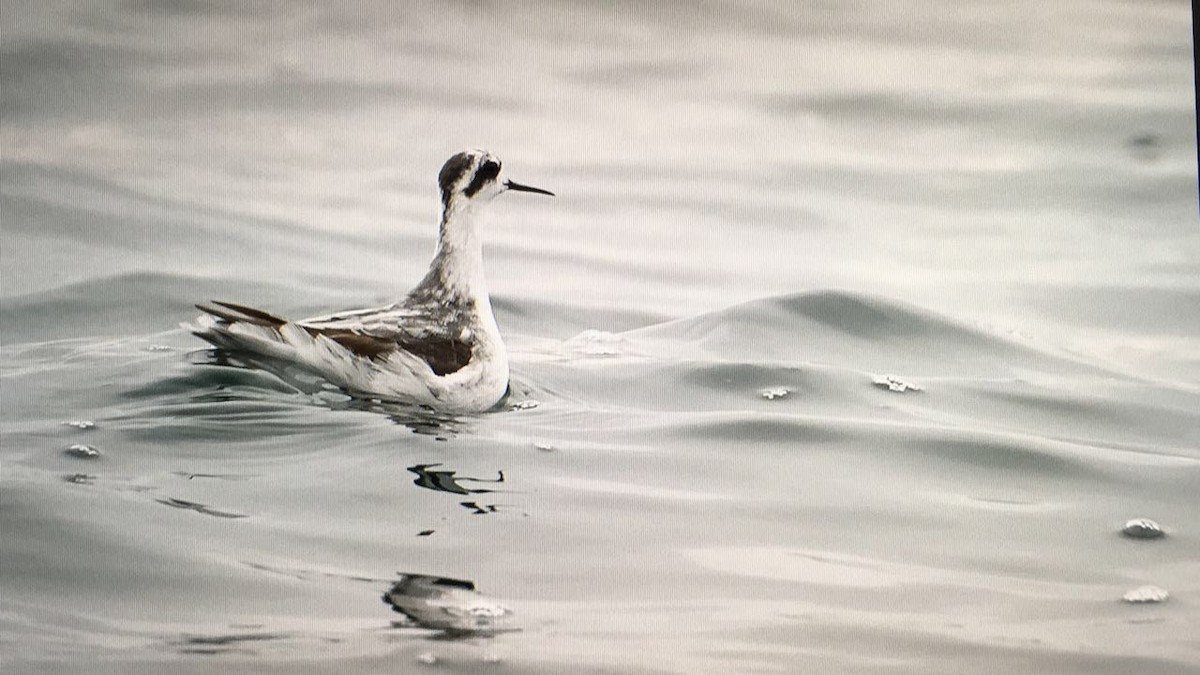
[80,424]
[1142,528]
[773,393]
[893,383]
[1145,594]
[83,451]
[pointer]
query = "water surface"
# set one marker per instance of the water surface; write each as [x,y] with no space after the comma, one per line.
[853,338]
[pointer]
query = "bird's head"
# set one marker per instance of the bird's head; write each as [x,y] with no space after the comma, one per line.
[476,176]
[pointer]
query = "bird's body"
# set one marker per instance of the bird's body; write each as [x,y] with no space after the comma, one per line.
[439,346]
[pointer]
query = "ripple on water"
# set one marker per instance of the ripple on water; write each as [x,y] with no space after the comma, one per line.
[740,377]
[857,331]
[752,428]
[1022,456]
[198,508]
[224,643]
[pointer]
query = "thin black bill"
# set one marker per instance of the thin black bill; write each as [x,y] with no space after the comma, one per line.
[525,188]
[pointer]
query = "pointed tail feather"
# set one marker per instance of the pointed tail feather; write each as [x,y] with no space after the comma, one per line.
[228,311]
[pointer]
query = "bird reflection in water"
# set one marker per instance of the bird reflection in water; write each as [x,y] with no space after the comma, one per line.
[446,481]
[450,606]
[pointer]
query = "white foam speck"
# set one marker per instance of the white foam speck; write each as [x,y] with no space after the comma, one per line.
[84,451]
[1145,594]
[595,343]
[1142,528]
[893,383]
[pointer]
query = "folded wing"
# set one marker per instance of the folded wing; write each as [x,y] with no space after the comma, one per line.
[376,333]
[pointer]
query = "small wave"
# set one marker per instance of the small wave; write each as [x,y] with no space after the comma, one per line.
[103,307]
[538,316]
[856,331]
[745,428]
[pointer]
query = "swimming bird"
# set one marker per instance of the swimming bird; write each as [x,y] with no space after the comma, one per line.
[439,346]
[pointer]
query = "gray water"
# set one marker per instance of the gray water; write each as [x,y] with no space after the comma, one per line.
[765,211]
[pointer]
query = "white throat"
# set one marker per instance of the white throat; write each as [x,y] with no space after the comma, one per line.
[459,255]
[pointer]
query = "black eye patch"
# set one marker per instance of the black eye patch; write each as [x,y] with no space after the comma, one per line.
[490,168]
[486,172]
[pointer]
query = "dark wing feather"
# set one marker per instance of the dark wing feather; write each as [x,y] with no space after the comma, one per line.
[444,355]
[361,344]
[227,311]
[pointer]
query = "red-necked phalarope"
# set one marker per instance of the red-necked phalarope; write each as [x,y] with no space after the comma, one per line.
[439,346]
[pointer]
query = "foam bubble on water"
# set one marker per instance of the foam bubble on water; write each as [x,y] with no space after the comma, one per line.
[772,393]
[427,658]
[1145,594]
[80,479]
[83,451]
[893,383]
[80,424]
[527,404]
[544,447]
[160,348]
[1142,528]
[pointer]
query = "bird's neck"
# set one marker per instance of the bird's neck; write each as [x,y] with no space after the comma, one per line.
[458,261]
